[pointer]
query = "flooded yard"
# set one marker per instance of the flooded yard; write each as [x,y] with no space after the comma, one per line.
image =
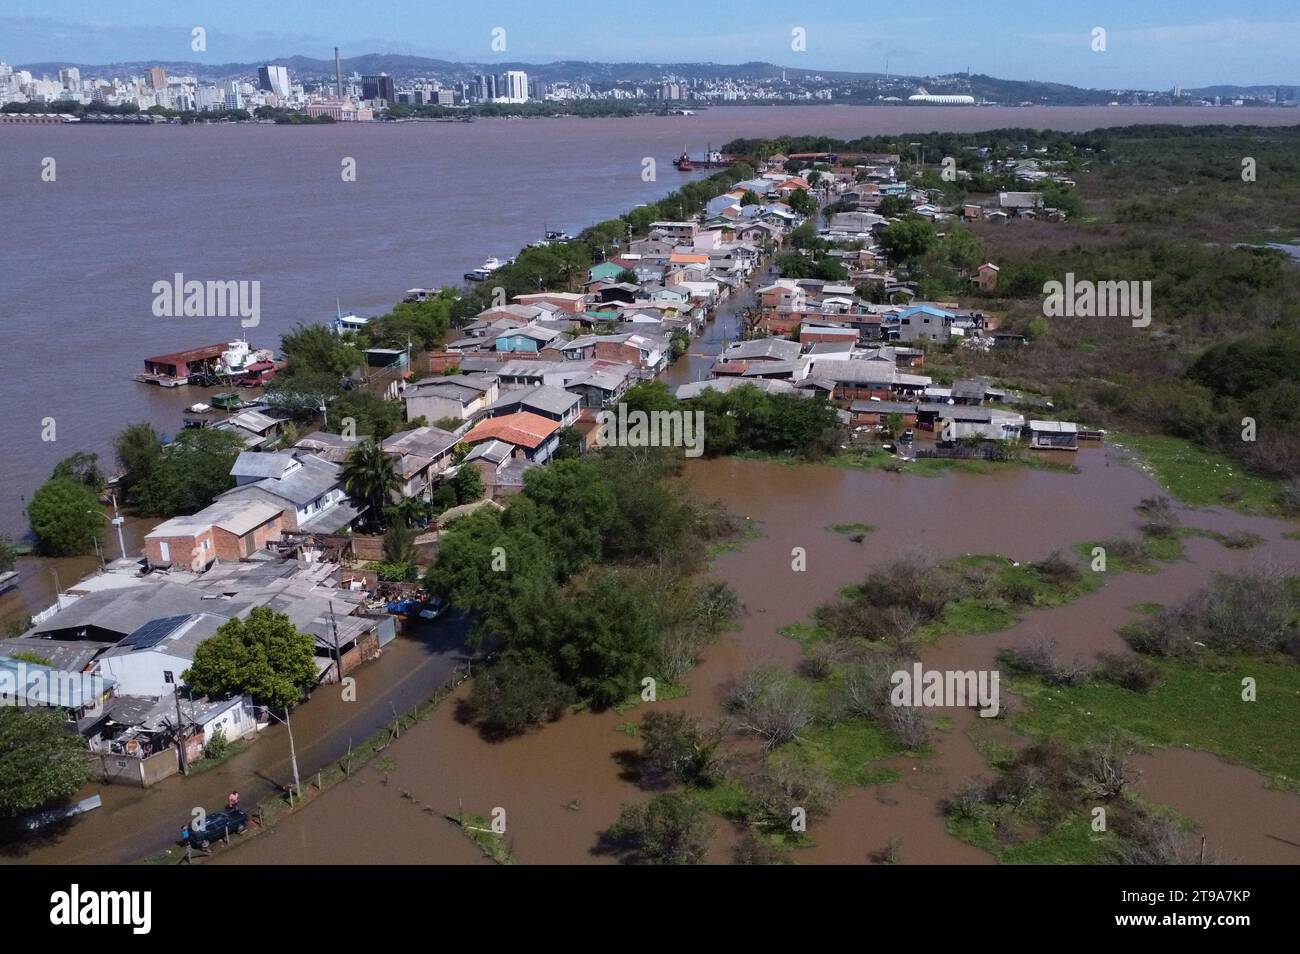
[563,784]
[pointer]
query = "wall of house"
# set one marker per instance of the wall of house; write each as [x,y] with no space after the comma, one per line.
[236,722]
[180,550]
[141,773]
[232,548]
[141,673]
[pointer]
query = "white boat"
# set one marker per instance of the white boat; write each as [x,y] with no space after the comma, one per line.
[484,271]
[199,408]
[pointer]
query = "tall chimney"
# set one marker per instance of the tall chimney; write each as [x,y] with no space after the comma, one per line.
[338,75]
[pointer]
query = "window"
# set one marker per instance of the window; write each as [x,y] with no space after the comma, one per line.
[168,677]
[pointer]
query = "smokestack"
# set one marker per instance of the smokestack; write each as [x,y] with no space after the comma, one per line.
[338,75]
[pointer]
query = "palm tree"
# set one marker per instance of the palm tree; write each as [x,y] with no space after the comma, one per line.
[370,476]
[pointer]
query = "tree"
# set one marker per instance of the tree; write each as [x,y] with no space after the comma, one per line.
[515,693]
[65,517]
[750,198]
[190,472]
[907,239]
[138,448]
[370,477]
[802,202]
[468,484]
[263,656]
[40,760]
[8,556]
[83,468]
[892,206]
[670,829]
[399,544]
[676,748]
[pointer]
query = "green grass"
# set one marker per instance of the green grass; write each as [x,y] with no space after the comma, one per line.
[845,752]
[664,691]
[938,466]
[493,844]
[1200,477]
[808,635]
[1195,705]
[851,528]
[727,798]
[735,543]
[1151,550]
[1070,841]
[990,612]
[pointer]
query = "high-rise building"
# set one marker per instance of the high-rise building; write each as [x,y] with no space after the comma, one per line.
[234,98]
[273,79]
[378,87]
[157,77]
[70,79]
[513,87]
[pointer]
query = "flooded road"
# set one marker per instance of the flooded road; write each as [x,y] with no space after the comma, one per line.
[563,784]
[137,822]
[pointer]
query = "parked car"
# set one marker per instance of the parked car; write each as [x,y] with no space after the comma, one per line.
[217,825]
[907,436]
[434,608]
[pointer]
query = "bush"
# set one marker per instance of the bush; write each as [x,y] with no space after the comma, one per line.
[1059,569]
[517,693]
[1128,671]
[217,747]
[1161,521]
[668,830]
[1039,659]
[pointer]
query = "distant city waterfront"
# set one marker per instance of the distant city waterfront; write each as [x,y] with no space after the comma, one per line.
[133,206]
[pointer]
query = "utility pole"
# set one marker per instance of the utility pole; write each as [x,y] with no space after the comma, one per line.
[180,730]
[118,520]
[338,659]
[293,755]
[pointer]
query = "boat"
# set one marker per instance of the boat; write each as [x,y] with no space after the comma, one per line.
[199,408]
[8,580]
[683,162]
[484,271]
[227,400]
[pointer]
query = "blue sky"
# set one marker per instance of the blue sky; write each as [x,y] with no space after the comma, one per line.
[1150,43]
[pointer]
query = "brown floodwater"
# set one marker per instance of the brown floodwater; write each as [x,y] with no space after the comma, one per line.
[563,784]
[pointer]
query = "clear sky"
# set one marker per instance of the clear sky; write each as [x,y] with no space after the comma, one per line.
[1150,43]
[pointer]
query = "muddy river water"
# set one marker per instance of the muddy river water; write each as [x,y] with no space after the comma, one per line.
[563,784]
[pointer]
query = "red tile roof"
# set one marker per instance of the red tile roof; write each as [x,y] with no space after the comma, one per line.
[523,429]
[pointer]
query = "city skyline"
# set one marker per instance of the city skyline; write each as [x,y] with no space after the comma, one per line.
[1195,43]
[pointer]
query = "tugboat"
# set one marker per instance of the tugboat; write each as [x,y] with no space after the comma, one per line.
[683,162]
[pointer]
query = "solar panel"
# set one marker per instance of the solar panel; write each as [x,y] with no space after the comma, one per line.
[154,632]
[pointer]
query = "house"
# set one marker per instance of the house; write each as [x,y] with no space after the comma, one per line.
[307,489]
[327,446]
[529,339]
[678,233]
[229,529]
[255,428]
[605,272]
[876,413]
[970,391]
[825,334]
[502,471]
[567,302]
[923,321]
[456,396]
[556,404]
[954,422]
[149,660]
[738,356]
[534,438]
[986,277]
[1054,435]
[421,454]
[1018,203]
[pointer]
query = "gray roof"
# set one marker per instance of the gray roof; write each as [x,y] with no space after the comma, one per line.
[301,485]
[723,385]
[126,609]
[180,638]
[253,464]
[547,400]
[882,407]
[773,349]
[71,655]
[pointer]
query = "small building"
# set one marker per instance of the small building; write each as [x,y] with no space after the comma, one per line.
[876,413]
[1054,435]
[534,438]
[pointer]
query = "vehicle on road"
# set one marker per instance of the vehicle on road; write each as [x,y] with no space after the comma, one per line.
[218,824]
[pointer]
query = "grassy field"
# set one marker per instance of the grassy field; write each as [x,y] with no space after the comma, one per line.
[1195,705]
[1199,477]
[845,751]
